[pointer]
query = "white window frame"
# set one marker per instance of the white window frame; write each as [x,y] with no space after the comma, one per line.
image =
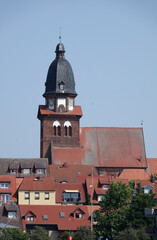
[27,195]
[26,171]
[12,214]
[4,185]
[40,171]
[47,196]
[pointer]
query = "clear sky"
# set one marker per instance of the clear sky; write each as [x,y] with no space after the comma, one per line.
[112,47]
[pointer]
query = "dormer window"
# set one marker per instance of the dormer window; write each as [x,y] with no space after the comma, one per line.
[61,85]
[14,171]
[78,215]
[12,214]
[105,187]
[30,219]
[40,171]
[26,171]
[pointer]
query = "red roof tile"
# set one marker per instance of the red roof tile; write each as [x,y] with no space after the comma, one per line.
[45,184]
[152,165]
[106,147]
[61,173]
[44,111]
[53,213]
[134,174]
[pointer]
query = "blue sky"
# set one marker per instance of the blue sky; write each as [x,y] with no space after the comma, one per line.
[112,47]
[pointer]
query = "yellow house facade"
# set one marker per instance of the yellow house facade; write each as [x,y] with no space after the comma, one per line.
[37,197]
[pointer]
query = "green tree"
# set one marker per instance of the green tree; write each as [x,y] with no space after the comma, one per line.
[39,233]
[84,233]
[14,234]
[136,215]
[113,213]
[133,234]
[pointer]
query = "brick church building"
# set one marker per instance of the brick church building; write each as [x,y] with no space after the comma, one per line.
[62,140]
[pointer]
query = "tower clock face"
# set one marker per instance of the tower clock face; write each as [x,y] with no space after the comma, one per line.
[51,104]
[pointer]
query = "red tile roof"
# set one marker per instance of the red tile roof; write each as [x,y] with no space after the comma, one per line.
[44,111]
[134,174]
[152,165]
[43,184]
[70,173]
[61,187]
[53,213]
[106,147]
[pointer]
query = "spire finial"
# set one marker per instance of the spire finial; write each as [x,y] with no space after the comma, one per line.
[60,35]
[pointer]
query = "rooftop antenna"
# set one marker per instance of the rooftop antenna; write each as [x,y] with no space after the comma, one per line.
[60,35]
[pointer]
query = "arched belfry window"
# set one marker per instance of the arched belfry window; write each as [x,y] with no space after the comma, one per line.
[68,129]
[56,128]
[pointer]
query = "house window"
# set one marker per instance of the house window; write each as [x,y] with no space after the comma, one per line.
[26,195]
[30,219]
[71,197]
[4,185]
[47,196]
[11,214]
[26,171]
[5,198]
[36,195]
[40,171]
[14,171]
[79,215]
[100,197]
[105,187]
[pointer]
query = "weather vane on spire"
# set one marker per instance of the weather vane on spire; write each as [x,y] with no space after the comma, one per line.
[60,35]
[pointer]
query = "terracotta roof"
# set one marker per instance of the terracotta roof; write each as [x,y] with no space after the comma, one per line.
[134,174]
[106,147]
[53,214]
[61,173]
[61,187]
[152,165]
[44,111]
[43,184]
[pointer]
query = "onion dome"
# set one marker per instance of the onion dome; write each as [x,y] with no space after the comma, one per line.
[60,77]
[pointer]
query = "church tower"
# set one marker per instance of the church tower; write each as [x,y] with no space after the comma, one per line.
[59,116]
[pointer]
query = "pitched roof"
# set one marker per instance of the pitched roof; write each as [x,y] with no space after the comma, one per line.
[106,147]
[34,184]
[8,164]
[61,187]
[54,218]
[63,172]
[134,174]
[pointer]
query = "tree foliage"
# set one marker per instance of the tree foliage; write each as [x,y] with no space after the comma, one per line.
[14,234]
[121,208]
[84,232]
[39,233]
[133,234]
